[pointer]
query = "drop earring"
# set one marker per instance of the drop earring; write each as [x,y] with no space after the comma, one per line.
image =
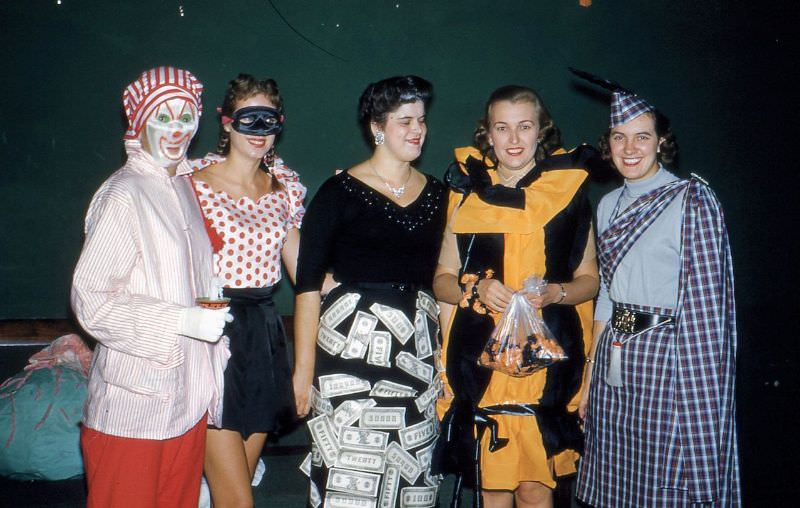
[379,138]
[269,159]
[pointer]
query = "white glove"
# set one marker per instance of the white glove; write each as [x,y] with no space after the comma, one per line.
[204,324]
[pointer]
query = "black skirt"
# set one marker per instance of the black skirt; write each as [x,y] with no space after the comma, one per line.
[258,394]
[424,349]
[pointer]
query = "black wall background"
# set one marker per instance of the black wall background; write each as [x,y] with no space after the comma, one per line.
[718,69]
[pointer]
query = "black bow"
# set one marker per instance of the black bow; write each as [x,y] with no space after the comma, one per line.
[478,181]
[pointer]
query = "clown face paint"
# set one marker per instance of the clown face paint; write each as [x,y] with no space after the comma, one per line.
[257,121]
[169,130]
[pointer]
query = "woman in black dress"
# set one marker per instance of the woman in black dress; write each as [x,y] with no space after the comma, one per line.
[366,356]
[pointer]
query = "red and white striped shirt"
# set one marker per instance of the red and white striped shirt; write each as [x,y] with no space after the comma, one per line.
[146,257]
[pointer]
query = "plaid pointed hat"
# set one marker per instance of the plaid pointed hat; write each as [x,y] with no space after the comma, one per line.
[154,87]
[625,104]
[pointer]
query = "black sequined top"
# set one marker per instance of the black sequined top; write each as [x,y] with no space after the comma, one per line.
[362,236]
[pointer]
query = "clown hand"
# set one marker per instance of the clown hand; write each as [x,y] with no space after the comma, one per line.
[204,324]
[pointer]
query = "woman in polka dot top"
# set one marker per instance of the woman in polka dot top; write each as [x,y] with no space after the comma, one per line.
[253,206]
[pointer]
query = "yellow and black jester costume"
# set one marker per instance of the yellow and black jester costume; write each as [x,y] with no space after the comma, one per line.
[539,227]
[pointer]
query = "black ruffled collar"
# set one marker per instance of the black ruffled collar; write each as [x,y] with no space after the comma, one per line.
[477,180]
[472,175]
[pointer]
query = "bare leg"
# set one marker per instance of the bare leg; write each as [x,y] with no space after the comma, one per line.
[252,448]
[497,498]
[533,495]
[227,469]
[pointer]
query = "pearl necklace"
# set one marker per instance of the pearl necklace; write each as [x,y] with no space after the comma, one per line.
[515,177]
[397,192]
[511,179]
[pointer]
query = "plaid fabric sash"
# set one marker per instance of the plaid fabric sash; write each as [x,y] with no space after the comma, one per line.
[627,227]
[701,448]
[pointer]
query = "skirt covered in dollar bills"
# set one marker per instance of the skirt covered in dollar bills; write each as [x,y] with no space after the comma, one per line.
[373,422]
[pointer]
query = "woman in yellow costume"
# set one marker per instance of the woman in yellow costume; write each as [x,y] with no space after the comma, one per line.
[518,207]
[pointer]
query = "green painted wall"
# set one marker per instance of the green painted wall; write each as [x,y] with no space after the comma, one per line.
[66,65]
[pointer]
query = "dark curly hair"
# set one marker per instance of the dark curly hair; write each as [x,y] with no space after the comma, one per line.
[241,89]
[549,135]
[668,153]
[381,98]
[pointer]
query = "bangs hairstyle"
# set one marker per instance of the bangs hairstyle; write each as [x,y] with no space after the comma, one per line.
[549,135]
[381,98]
[241,89]
[668,154]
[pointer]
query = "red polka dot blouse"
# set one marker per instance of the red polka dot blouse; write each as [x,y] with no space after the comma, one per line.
[252,233]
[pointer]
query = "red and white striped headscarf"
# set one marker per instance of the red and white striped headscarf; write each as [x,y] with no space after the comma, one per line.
[152,88]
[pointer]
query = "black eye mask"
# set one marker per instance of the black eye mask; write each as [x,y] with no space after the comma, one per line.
[257,121]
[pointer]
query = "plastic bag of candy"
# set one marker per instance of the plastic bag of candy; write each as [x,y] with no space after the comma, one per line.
[521,343]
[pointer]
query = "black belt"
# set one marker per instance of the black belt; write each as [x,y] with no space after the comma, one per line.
[388,286]
[629,321]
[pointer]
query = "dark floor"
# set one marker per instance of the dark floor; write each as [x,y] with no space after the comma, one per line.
[768,389]
[282,486]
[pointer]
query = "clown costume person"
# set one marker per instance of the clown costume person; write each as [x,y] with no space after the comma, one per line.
[156,374]
[660,427]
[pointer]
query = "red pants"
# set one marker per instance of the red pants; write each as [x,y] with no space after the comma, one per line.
[143,473]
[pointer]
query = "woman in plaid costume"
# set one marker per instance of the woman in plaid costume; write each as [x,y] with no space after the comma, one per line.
[660,411]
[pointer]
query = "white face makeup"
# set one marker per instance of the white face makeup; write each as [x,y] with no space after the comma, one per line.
[169,130]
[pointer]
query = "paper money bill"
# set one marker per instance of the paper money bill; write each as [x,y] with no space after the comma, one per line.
[408,465]
[325,438]
[359,334]
[390,487]
[334,385]
[383,418]
[313,494]
[363,324]
[413,366]
[425,457]
[433,480]
[428,397]
[384,388]
[380,349]
[354,349]
[342,500]
[367,439]
[331,341]
[305,466]
[353,482]
[347,413]
[316,455]
[418,434]
[422,338]
[394,319]
[418,497]
[426,303]
[365,403]
[341,308]
[361,460]
[430,411]
[437,360]
[319,403]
